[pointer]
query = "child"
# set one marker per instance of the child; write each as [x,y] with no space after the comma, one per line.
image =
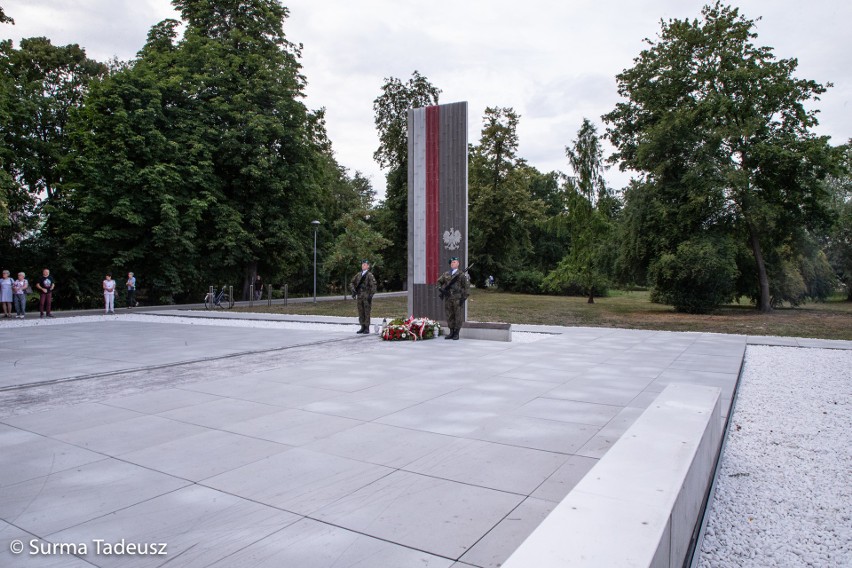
[109,294]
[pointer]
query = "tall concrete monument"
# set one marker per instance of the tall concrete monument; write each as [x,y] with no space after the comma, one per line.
[437,201]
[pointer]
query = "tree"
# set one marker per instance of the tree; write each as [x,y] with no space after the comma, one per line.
[587,220]
[41,85]
[391,119]
[719,128]
[357,240]
[838,241]
[502,210]
[200,155]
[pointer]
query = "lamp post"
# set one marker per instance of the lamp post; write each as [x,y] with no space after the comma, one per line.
[315,223]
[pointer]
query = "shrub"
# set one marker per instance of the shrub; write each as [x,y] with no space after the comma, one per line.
[698,278]
[522,281]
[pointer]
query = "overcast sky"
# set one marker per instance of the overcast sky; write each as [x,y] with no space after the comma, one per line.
[553,61]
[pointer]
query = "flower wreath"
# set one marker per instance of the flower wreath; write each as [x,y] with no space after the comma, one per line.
[411,329]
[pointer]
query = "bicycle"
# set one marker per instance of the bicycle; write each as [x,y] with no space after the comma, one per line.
[220,299]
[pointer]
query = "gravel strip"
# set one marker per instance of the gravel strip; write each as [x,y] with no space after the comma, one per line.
[784,488]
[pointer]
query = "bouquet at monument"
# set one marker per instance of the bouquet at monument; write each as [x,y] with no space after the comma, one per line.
[411,329]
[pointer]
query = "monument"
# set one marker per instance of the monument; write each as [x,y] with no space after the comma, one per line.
[437,201]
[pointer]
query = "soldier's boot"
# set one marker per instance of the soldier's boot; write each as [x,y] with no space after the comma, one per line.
[361,330]
[450,336]
[456,334]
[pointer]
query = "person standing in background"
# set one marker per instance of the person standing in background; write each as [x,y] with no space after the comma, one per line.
[45,286]
[258,287]
[6,294]
[19,295]
[131,291]
[109,294]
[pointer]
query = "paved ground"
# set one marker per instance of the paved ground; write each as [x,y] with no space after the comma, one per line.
[322,449]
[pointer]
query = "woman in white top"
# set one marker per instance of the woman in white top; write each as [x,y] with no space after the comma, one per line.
[6,294]
[109,294]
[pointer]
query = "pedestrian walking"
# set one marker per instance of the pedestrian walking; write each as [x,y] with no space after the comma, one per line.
[6,294]
[45,286]
[20,289]
[258,288]
[131,291]
[109,294]
[363,287]
[454,288]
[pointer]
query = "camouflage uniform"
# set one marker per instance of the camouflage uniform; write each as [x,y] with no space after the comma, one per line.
[364,295]
[454,300]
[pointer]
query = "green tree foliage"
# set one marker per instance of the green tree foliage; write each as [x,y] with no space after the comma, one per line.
[356,241]
[502,209]
[199,164]
[40,87]
[838,241]
[391,119]
[588,220]
[719,129]
[698,277]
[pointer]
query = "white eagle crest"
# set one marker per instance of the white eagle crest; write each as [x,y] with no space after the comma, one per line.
[452,238]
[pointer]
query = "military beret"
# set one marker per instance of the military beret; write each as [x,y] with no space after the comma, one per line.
[365,261]
[452,259]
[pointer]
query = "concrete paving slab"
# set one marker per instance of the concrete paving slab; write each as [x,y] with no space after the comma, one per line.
[563,480]
[310,544]
[536,433]
[154,402]
[263,391]
[496,546]
[69,419]
[292,427]
[470,461]
[125,436]
[204,455]
[298,480]
[440,517]
[199,525]
[380,444]
[441,418]
[28,456]
[70,497]
[359,406]
[30,557]
[220,412]
[569,411]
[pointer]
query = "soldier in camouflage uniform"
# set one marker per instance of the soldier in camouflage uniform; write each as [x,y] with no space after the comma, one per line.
[454,287]
[363,286]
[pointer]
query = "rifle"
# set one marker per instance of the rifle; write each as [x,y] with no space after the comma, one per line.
[444,290]
[360,283]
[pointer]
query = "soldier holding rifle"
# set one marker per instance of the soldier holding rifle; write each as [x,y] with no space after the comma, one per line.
[454,288]
[363,286]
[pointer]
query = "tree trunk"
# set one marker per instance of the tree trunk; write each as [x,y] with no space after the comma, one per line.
[763,279]
[591,298]
[249,274]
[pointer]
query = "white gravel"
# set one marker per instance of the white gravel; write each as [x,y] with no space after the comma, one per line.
[784,490]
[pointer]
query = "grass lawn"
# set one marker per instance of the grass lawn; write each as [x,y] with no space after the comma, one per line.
[629,310]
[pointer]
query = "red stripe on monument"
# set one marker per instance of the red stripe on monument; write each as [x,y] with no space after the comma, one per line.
[432,194]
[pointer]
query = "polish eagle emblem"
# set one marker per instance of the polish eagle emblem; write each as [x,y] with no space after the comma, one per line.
[452,238]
